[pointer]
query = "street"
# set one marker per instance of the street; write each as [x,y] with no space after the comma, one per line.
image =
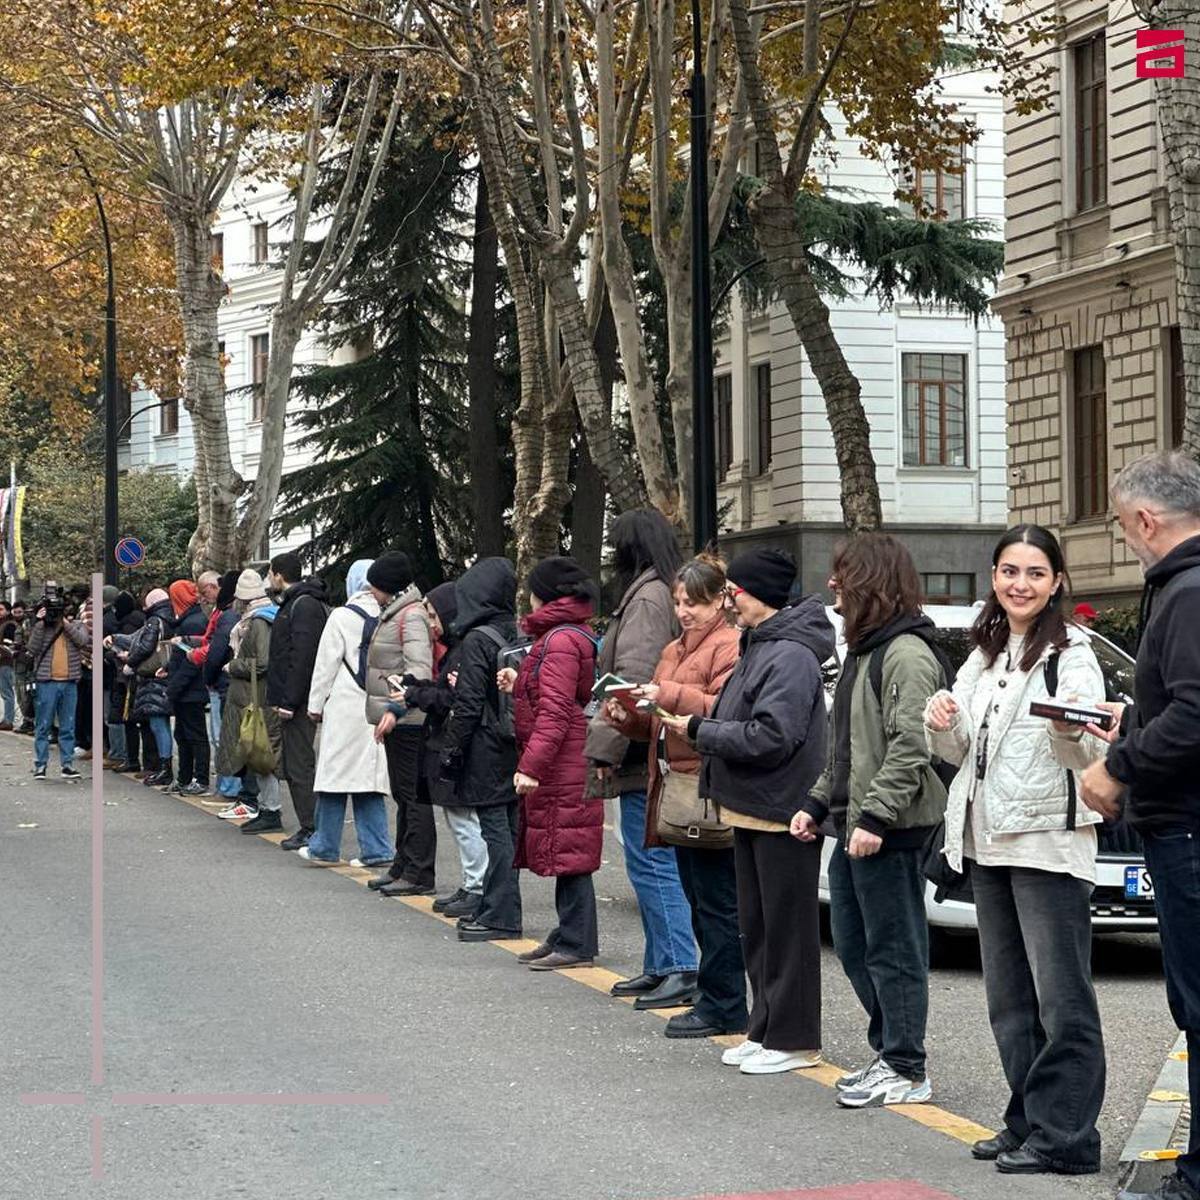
[232,968]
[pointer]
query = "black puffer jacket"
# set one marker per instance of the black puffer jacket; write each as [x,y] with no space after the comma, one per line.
[1159,754]
[476,760]
[295,636]
[185,680]
[124,620]
[764,745]
[150,697]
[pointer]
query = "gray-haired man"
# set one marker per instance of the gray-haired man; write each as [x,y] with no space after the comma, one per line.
[1155,756]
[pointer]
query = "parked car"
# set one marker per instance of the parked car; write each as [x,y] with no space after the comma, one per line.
[1123,899]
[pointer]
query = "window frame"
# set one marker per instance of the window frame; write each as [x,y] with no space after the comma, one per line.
[258,379]
[918,352]
[216,250]
[1089,434]
[723,422]
[260,242]
[1089,96]
[948,597]
[764,438]
[168,417]
[942,187]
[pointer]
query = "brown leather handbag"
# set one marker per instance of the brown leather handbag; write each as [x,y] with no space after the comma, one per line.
[685,818]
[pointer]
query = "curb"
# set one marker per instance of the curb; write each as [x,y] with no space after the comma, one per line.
[1161,1131]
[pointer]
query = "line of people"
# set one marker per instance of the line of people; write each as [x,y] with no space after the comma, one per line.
[729,771]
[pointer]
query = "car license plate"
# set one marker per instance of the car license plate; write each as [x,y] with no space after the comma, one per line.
[1138,884]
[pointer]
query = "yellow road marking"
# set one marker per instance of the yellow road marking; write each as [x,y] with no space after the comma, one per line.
[600,979]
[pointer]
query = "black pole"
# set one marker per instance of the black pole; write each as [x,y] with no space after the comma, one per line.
[704,450]
[111,386]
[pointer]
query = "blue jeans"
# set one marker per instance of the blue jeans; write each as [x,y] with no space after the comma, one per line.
[55,699]
[665,912]
[118,747]
[227,785]
[8,693]
[370,823]
[1173,856]
[881,935]
[161,728]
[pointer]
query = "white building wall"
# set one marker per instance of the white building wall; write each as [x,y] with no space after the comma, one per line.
[802,488]
[246,312]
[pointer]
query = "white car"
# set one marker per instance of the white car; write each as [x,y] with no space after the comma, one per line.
[1123,900]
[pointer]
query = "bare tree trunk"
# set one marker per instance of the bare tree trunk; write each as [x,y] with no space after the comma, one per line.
[781,240]
[218,485]
[777,231]
[429,550]
[588,503]
[1178,101]
[487,503]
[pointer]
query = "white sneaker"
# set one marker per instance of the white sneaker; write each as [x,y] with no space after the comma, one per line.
[736,1055]
[881,1085]
[313,861]
[854,1078]
[772,1062]
[238,812]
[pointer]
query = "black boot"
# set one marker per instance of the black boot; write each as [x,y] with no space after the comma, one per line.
[162,777]
[675,991]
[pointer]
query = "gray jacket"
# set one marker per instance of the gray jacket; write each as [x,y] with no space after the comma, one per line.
[401,645]
[641,626]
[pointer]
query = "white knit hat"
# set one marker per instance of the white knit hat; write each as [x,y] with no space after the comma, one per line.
[250,586]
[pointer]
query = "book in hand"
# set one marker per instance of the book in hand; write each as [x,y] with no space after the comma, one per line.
[1072,714]
[609,683]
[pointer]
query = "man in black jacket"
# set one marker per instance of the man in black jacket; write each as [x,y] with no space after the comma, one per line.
[303,611]
[1155,755]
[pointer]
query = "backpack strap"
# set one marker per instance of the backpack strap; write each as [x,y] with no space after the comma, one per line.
[364,640]
[875,664]
[1051,670]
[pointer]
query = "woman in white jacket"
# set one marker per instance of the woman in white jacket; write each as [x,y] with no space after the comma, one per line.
[1030,845]
[350,762]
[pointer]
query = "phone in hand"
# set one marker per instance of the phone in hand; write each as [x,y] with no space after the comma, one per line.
[395,682]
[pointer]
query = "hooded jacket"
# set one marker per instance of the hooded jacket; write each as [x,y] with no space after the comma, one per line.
[251,640]
[303,611]
[764,744]
[476,762]
[401,645]
[561,830]
[185,680]
[1158,755]
[641,625]
[879,773]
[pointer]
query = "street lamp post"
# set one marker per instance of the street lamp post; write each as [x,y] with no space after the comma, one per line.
[704,456]
[110,389]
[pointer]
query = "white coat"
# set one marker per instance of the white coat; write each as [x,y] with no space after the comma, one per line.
[1026,786]
[348,757]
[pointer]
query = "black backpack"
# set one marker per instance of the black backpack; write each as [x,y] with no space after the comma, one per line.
[499,716]
[945,771]
[370,624]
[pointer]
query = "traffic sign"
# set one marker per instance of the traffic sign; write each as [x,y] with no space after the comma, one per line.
[129,552]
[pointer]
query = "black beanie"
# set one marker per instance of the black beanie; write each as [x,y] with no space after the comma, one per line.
[554,578]
[391,572]
[766,574]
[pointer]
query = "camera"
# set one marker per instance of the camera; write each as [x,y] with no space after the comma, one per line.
[53,602]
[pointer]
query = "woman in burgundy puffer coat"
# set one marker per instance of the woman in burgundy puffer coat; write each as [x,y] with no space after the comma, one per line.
[560,831]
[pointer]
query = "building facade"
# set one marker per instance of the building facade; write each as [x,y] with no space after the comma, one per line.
[1094,364]
[159,435]
[932,388]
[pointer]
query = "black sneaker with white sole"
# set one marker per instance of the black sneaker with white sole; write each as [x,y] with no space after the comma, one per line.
[39,772]
[69,772]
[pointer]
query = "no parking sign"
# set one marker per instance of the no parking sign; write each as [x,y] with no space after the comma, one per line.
[129,553]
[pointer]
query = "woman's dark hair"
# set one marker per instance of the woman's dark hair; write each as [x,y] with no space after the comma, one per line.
[991,632]
[644,539]
[878,583]
[702,578]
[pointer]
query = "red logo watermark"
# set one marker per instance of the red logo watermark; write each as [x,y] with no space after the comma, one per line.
[1157,58]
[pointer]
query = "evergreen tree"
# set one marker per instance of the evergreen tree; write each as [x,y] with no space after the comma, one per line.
[388,431]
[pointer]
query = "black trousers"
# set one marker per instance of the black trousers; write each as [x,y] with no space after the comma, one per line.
[709,879]
[1035,938]
[83,712]
[500,904]
[416,833]
[298,765]
[781,938]
[139,731]
[191,737]
[577,932]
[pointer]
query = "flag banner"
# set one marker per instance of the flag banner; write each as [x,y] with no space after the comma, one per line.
[5,494]
[18,549]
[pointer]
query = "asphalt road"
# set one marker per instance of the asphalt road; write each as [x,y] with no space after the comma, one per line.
[232,968]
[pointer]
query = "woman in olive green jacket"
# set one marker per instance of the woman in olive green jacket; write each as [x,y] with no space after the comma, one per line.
[884,796]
